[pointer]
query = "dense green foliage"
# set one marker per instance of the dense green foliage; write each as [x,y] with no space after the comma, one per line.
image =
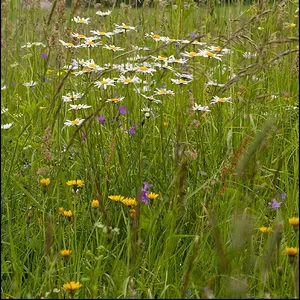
[214,170]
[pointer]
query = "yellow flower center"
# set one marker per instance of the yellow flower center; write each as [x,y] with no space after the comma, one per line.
[161,58]
[102,33]
[75,122]
[191,54]
[70,45]
[81,36]
[181,81]
[92,66]
[73,97]
[163,92]
[127,80]
[113,47]
[209,54]
[144,68]
[114,99]
[91,43]
[104,82]
[293,25]
[86,70]
[217,49]
[81,21]
[221,99]
[126,26]
[156,36]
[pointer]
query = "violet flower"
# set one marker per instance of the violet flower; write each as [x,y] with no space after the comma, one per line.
[44,55]
[122,110]
[131,130]
[274,204]
[101,119]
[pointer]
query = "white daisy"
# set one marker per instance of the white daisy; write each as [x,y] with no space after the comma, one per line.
[79,36]
[102,33]
[113,48]
[124,27]
[115,99]
[146,70]
[30,84]
[104,82]
[205,53]
[190,54]
[128,80]
[68,45]
[217,99]
[103,13]
[163,92]
[79,106]
[200,108]
[81,20]
[3,88]
[76,122]
[151,98]
[180,81]
[211,83]
[71,97]
[6,126]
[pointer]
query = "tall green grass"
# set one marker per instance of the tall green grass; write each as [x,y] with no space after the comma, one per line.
[215,171]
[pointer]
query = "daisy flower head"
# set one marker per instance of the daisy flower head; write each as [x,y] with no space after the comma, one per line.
[71,97]
[172,59]
[79,106]
[190,54]
[30,84]
[180,81]
[115,99]
[105,82]
[79,36]
[124,27]
[163,92]
[89,43]
[128,80]
[92,65]
[81,20]
[206,53]
[197,107]
[113,48]
[145,70]
[103,13]
[102,33]
[217,99]
[3,88]
[151,98]
[76,122]
[6,126]
[68,45]
[154,36]
[219,49]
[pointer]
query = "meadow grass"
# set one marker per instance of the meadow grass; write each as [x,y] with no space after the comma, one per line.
[214,167]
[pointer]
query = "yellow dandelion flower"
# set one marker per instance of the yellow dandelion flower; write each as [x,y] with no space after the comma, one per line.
[260,28]
[72,286]
[165,124]
[75,183]
[291,251]
[61,210]
[132,213]
[152,196]
[116,197]
[129,202]
[45,181]
[42,107]
[68,213]
[294,221]
[264,229]
[95,203]
[65,253]
[293,25]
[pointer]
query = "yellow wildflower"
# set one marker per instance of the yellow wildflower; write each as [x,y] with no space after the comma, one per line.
[95,203]
[116,197]
[45,181]
[65,253]
[264,229]
[293,25]
[75,183]
[291,251]
[152,196]
[68,213]
[129,202]
[61,210]
[72,286]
